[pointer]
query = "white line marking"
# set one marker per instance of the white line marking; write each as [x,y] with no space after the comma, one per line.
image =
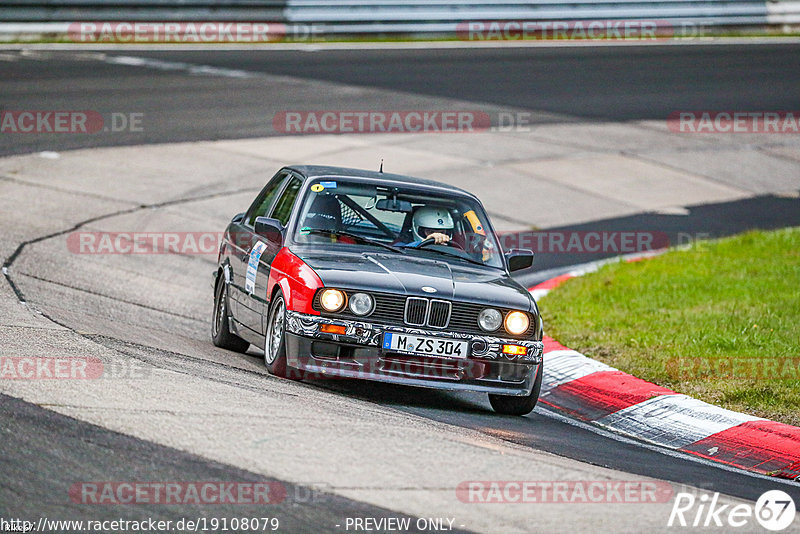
[202,70]
[673,420]
[562,366]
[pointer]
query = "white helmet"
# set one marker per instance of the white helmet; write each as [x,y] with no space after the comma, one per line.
[428,220]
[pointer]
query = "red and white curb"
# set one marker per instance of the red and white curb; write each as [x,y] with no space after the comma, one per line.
[594,392]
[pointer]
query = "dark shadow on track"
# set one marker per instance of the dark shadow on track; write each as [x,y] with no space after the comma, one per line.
[708,221]
[43,454]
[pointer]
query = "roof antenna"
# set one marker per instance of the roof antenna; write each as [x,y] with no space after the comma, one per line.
[381,169]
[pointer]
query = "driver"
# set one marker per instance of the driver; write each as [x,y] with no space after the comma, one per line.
[431,223]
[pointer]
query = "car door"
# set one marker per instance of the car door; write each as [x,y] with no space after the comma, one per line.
[257,303]
[242,238]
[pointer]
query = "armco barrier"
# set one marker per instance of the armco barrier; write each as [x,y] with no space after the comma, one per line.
[140,10]
[441,17]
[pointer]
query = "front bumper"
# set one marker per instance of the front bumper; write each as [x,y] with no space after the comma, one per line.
[358,354]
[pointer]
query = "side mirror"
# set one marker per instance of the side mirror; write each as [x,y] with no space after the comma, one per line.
[518,259]
[270,229]
[239,217]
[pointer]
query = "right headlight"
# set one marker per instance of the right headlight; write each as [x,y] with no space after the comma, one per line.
[490,319]
[517,323]
[332,300]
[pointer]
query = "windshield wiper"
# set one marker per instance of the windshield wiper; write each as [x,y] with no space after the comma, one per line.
[356,237]
[448,253]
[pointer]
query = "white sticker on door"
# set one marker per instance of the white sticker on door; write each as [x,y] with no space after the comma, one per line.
[252,267]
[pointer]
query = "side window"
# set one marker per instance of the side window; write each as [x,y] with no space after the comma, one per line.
[264,201]
[283,209]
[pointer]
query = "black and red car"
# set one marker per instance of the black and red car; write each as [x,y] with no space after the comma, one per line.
[351,273]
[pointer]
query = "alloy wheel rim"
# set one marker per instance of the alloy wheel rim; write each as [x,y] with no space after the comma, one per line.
[220,313]
[275,333]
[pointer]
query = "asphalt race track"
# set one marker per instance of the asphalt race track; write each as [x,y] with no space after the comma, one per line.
[556,84]
[199,413]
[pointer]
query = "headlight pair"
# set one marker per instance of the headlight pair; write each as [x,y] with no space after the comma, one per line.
[334,300]
[515,323]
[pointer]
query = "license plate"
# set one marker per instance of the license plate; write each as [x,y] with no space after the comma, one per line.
[424,345]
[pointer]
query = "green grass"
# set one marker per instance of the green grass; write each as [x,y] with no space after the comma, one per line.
[697,321]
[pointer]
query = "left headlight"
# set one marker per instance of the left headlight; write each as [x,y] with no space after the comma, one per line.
[361,304]
[517,323]
[332,300]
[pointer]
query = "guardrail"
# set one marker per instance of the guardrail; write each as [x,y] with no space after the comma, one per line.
[140,10]
[441,17]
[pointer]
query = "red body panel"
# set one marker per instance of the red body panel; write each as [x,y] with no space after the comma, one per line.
[298,281]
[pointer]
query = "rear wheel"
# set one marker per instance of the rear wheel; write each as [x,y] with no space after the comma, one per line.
[220,328]
[508,405]
[275,339]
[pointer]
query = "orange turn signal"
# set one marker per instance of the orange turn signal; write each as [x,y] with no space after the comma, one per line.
[333,329]
[515,350]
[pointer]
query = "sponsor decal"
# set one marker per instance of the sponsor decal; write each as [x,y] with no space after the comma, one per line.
[252,266]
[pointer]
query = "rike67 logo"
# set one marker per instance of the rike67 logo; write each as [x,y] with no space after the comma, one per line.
[774,510]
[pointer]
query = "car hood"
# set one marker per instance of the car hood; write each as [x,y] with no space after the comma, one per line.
[404,274]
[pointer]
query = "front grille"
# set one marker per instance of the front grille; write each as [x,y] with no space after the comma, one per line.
[424,312]
[416,311]
[439,315]
[392,310]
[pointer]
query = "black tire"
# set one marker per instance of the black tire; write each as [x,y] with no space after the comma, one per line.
[275,351]
[220,330]
[508,405]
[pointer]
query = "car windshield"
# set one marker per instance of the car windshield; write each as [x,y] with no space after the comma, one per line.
[411,221]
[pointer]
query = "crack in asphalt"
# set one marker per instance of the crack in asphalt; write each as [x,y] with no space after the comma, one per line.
[8,263]
[116,299]
[15,180]
[114,343]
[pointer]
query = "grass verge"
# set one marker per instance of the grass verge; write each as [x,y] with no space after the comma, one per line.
[719,321]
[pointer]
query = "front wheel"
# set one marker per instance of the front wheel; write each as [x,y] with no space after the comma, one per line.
[508,405]
[220,329]
[275,339]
